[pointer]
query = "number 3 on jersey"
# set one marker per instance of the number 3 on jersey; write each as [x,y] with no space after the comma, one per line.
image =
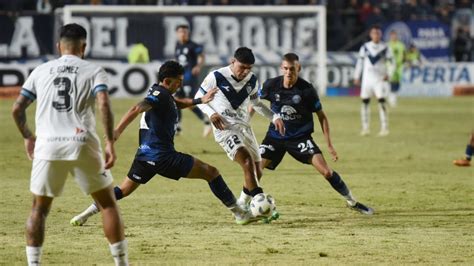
[63,87]
[232,141]
[305,146]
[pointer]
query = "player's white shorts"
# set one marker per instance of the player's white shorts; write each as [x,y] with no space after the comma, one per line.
[48,177]
[379,88]
[235,137]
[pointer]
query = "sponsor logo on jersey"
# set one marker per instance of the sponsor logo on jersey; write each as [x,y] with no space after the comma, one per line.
[287,112]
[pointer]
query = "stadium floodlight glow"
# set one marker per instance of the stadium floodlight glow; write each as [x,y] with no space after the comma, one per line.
[299,29]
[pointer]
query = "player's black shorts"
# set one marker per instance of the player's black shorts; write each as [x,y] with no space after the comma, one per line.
[173,166]
[302,149]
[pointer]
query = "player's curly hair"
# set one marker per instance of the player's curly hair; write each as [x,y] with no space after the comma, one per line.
[244,55]
[170,69]
[72,32]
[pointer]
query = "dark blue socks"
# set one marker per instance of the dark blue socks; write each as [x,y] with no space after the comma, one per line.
[468,152]
[222,191]
[338,184]
[118,193]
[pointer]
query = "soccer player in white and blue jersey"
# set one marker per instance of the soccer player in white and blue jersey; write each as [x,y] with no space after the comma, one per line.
[230,117]
[66,90]
[295,100]
[375,64]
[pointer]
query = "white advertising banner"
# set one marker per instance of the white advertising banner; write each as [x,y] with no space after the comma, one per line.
[436,79]
[125,80]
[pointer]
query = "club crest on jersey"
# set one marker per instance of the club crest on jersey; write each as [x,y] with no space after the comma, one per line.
[156,93]
[185,50]
[287,112]
[248,88]
[296,99]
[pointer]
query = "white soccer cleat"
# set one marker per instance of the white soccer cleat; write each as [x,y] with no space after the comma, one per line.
[245,218]
[365,132]
[78,220]
[383,133]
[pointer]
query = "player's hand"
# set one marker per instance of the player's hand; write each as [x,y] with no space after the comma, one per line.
[280,126]
[357,82]
[385,77]
[196,70]
[209,96]
[333,153]
[218,121]
[30,147]
[110,156]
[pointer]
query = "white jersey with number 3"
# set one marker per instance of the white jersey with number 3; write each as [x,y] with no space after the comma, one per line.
[65,91]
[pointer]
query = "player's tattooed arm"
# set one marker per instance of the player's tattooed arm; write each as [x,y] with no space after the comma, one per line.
[107,115]
[19,115]
[324,122]
[137,109]
[184,103]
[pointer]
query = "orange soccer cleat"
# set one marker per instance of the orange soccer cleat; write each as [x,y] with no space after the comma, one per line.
[462,162]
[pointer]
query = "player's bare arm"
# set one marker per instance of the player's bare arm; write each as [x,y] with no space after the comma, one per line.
[324,122]
[19,115]
[108,122]
[137,109]
[186,102]
[197,68]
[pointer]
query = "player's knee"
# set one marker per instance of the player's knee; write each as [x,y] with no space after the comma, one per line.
[382,100]
[366,101]
[212,172]
[327,173]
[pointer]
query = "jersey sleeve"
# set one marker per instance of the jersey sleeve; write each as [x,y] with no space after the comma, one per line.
[208,83]
[100,81]
[198,49]
[360,62]
[29,89]
[314,101]
[264,92]
[153,97]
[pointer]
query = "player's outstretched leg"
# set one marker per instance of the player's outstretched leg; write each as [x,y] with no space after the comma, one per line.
[466,161]
[220,189]
[338,184]
[113,225]
[365,117]
[383,118]
[125,189]
[35,226]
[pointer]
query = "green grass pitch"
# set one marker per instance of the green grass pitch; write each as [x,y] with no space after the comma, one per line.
[424,205]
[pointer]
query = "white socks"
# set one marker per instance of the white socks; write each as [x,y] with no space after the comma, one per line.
[365,117]
[33,255]
[244,198]
[350,199]
[91,210]
[383,117]
[119,252]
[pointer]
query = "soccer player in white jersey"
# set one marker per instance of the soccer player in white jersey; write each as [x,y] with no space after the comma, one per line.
[66,141]
[376,66]
[229,115]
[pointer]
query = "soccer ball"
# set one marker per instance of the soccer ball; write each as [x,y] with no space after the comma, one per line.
[262,205]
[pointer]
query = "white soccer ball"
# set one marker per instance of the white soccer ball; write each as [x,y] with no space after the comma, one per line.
[262,205]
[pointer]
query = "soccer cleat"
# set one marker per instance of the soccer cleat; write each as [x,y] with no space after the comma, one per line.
[462,162]
[361,208]
[275,215]
[365,132]
[245,218]
[206,130]
[78,220]
[383,132]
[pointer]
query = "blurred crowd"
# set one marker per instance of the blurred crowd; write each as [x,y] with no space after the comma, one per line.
[348,20]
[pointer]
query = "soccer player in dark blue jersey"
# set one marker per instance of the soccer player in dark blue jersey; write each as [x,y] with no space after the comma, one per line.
[190,55]
[156,153]
[296,100]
